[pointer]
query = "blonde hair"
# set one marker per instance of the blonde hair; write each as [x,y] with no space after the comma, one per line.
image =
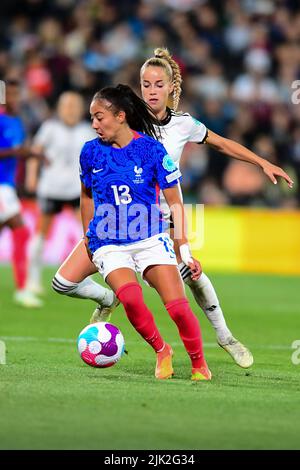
[162,58]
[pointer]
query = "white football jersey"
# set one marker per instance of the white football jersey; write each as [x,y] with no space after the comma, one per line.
[62,145]
[176,130]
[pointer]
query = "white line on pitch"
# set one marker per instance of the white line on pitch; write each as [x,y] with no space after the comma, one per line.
[70,340]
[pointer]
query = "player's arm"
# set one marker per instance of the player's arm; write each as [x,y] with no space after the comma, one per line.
[32,171]
[235,150]
[86,207]
[86,210]
[19,152]
[175,204]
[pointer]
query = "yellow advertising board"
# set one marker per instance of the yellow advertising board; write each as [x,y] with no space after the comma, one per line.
[249,240]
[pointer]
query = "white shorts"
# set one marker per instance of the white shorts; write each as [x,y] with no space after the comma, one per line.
[136,256]
[9,203]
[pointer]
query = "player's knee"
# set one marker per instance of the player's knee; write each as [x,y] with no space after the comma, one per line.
[178,309]
[130,295]
[62,287]
[131,304]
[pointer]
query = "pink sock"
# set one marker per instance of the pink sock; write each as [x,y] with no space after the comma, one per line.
[131,296]
[189,329]
[20,236]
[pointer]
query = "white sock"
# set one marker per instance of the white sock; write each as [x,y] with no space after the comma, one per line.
[35,259]
[86,289]
[206,297]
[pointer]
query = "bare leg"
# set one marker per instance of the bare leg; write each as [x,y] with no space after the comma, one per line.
[36,252]
[72,279]
[15,222]
[77,266]
[120,277]
[20,237]
[129,292]
[206,297]
[166,280]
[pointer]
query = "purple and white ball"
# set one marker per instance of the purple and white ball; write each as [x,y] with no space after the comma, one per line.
[100,344]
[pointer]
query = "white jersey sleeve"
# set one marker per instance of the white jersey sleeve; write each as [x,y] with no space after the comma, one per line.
[197,130]
[44,134]
[178,130]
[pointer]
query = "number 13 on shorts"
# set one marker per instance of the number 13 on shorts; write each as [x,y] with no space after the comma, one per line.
[168,245]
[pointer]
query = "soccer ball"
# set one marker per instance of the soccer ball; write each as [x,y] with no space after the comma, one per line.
[100,344]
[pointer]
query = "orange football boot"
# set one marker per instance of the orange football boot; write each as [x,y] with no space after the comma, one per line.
[201,373]
[164,368]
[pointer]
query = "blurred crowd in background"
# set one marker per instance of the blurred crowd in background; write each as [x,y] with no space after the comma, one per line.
[239,59]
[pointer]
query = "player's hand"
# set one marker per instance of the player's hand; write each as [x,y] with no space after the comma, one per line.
[31,185]
[192,263]
[196,269]
[22,151]
[40,157]
[272,171]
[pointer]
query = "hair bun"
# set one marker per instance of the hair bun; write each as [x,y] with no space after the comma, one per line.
[161,53]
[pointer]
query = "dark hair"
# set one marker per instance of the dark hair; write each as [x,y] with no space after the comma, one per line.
[139,114]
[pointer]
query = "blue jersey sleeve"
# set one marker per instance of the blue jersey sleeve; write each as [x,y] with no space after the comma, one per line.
[85,169]
[166,170]
[12,132]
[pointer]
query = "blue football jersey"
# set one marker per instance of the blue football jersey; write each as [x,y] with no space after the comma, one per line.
[12,134]
[125,184]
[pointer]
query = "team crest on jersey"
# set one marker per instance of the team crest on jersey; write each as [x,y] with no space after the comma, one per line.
[168,163]
[138,175]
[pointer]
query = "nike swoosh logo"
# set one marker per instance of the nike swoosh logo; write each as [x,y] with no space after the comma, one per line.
[97,171]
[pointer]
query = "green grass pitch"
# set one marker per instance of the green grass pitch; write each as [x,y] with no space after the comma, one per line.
[49,399]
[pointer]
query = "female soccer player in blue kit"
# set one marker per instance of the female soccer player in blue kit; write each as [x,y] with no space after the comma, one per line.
[161,82]
[12,148]
[120,174]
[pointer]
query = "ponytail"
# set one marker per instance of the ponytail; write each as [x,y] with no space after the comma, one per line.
[139,115]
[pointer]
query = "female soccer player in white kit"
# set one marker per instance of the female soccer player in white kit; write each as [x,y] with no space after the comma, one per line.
[160,81]
[61,140]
